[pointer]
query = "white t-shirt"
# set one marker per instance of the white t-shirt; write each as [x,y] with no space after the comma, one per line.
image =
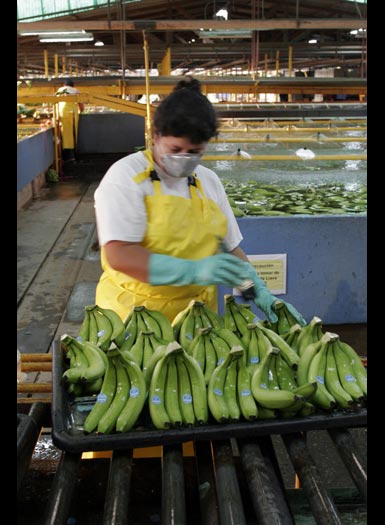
[119,201]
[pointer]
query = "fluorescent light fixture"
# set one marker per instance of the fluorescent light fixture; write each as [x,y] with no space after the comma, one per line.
[99,43]
[225,33]
[51,33]
[80,37]
[312,41]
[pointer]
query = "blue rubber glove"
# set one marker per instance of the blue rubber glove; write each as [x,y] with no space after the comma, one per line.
[222,269]
[265,300]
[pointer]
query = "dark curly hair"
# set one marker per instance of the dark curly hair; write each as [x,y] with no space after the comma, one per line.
[186,112]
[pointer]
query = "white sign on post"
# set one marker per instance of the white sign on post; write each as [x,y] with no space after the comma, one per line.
[272,269]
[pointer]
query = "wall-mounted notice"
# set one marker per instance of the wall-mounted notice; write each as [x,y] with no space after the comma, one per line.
[272,269]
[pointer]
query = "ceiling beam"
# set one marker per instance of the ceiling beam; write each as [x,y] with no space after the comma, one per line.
[180,25]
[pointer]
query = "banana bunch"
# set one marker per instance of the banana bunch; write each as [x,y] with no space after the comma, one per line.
[256,345]
[228,392]
[187,323]
[310,333]
[177,391]
[121,398]
[290,355]
[274,386]
[143,348]
[210,347]
[142,319]
[237,316]
[291,337]
[285,318]
[336,367]
[101,326]
[86,366]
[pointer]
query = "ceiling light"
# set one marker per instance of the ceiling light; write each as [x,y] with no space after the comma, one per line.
[62,37]
[312,41]
[99,43]
[51,33]
[225,33]
[222,14]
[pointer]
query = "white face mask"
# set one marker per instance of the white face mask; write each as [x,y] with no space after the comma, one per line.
[180,164]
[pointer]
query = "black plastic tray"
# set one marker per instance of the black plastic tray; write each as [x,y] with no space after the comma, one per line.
[69,439]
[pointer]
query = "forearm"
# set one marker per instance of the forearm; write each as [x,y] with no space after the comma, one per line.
[238,252]
[129,258]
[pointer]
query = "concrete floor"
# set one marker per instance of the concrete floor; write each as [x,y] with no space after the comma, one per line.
[58,268]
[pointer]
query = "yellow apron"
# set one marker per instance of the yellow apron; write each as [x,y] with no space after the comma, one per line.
[69,118]
[176,226]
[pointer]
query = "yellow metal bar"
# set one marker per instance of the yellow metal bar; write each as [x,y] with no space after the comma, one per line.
[290,66]
[46,72]
[56,62]
[148,138]
[276,62]
[285,157]
[63,64]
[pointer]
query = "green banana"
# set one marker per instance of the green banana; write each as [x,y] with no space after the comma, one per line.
[188,329]
[310,333]
[78,360]
[148,372]
[210,318]
[291,337]
[316,373]
[108,420]
[92,387]
[306,390]
[264,396]
[131,331]
[276,340]
[105,329]
[240,321]
[221,347]
[347,375]
[171,395]
[156,398]
[198,387]
[84,327]
[92,327]
[332,380]
[216,399]
[356,363]
[230,392]
[197,349]
[165,328]
[304,361]
[211,358]
[184,393]
[266,413]
[247,404]
[178,320]
[137,349]
[285,374]
[96,363]
[137,397]
[118,329]
[103,399]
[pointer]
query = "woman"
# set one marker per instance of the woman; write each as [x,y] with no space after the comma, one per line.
[162,218]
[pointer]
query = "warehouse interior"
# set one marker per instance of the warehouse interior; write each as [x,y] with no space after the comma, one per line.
[283,77]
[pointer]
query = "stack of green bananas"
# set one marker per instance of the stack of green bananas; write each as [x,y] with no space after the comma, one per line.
[236,316]
[338,370]
[121,398]
[310,333]
[285,318]
[142,350]
[195,316]
[143,319]
[101,326]
[177,392]
[211,346]
[85,366]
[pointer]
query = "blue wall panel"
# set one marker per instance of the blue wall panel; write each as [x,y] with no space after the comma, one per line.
[35,154]
[326,263]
